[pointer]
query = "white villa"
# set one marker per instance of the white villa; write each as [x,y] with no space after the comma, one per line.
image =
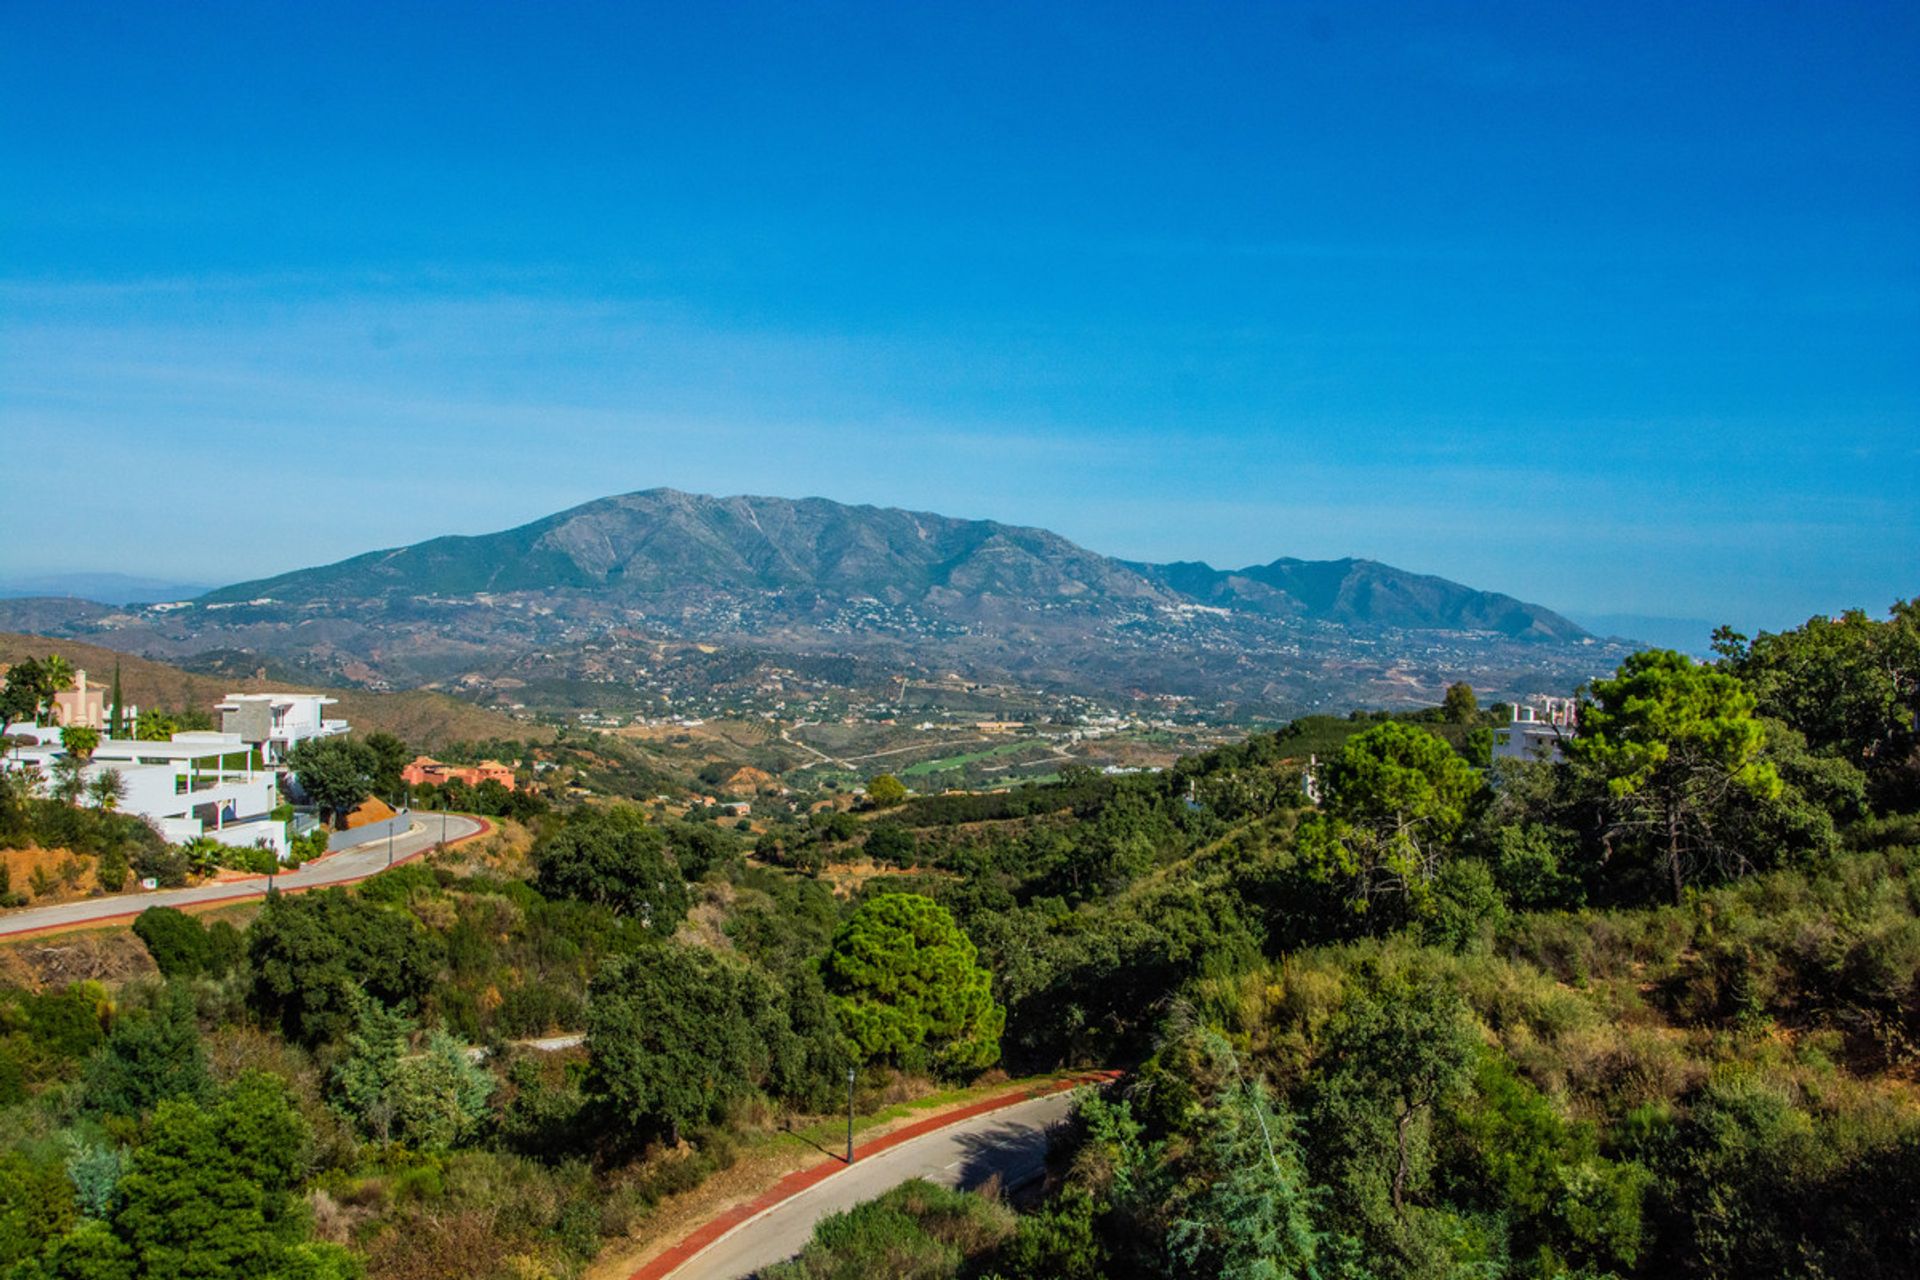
[199,784]
[222,785]
[1538,731]
[275,722]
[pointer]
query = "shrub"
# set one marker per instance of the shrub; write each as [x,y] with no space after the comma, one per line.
[176,941]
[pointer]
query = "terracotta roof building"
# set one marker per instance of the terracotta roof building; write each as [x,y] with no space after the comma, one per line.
[425,771]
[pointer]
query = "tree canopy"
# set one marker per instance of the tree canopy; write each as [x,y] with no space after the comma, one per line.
[337,773]
[616,858]
[677,1034]
[1679,747]
[312,956]
[908,986]
[1393,802]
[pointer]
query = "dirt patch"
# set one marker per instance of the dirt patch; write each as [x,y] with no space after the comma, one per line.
[371,810]
[112,956]
[47,876]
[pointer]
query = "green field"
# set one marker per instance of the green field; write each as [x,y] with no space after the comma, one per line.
[947,764]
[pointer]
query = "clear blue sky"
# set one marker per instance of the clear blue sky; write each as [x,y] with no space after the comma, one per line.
[1614,307]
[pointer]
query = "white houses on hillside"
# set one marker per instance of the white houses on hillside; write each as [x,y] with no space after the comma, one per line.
[222,785]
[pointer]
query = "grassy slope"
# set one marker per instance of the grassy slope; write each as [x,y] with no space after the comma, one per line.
[420,718]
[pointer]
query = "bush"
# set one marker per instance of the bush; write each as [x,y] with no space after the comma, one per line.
[917,1231]
[176,941]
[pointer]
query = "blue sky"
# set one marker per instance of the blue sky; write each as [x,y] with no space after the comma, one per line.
[1613,307]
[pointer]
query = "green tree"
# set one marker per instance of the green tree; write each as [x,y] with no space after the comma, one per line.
[312,955]
[176,941]
[907,986]
[211,1192]
[1251,1217]
[116,716]
[1393,804]
[676,1034]
[614,857]
[56,677]
[79,740]
[886,791]
[1399,1047]
[439,1097]
[151,1055]
[107,790]
[155,725]
[94,1169]
[892,844]
[362,1081]
[1460,706]
[69,779]
[390,756]
[20,695]
[1679,747]
[337,773]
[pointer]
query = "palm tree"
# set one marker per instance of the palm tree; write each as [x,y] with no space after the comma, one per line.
[107,790]
[56,676]
[154,726]
[205,854]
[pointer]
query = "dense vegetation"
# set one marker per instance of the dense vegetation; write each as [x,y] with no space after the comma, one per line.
[1653,1011]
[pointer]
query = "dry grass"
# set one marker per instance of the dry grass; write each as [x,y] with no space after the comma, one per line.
[50,875]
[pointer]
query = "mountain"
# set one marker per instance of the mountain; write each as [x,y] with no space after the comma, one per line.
[1362,593]
[648,599]
[662,541]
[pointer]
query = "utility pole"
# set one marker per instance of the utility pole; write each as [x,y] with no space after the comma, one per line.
[389,844]
[849,1115]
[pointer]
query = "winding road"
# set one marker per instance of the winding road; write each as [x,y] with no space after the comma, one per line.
[344,867]
[1010,1143]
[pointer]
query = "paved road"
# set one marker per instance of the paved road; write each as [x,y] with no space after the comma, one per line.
[1011,1142]
[336,868]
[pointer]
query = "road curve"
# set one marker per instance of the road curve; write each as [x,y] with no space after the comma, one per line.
[344,867]
[1010,1142]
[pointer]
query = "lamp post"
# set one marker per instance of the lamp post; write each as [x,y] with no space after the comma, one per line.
[849,1115]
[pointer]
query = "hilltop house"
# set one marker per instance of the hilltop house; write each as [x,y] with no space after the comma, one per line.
[277,722]
[1538,732]
[425,771]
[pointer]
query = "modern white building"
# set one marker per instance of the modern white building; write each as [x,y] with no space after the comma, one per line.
[1538,731]
[199,784]
[275,722]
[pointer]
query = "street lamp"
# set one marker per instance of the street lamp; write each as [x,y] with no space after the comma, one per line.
[849,1115]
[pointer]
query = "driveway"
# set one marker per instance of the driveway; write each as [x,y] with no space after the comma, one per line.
[344,867]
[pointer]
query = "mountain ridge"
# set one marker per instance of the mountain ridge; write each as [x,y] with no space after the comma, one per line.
[652,541]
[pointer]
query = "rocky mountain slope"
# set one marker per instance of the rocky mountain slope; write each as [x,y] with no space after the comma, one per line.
[547,603]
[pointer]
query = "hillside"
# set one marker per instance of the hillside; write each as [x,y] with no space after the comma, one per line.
[420,718]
